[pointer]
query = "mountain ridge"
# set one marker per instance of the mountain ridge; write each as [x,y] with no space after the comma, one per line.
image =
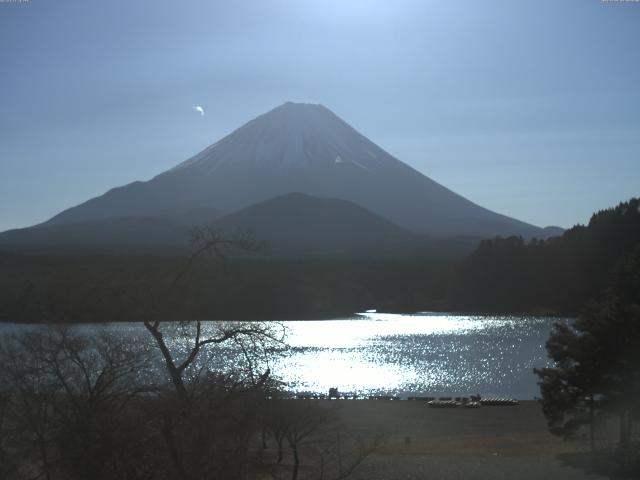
[300,148]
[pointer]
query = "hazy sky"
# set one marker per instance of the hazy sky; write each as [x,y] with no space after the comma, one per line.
[529,108]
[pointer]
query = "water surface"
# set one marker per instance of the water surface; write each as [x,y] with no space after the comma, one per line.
[391,354]
[422,354]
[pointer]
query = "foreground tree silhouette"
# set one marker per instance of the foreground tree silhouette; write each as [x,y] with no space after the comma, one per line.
[70,407]
[251,337]
[597,358]
[209,423]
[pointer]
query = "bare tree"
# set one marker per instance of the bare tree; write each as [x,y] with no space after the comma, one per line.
[29,425]
[317,440]
[208,427]
[342,454]
[67,394]
[250,337]
[305,421]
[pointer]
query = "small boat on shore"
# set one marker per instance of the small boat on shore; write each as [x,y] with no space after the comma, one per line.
[499,402]
[473,402]
[443,404]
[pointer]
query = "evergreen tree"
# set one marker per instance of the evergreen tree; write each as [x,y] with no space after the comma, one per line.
[597,360]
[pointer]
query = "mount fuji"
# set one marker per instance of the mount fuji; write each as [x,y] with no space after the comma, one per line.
[294,148]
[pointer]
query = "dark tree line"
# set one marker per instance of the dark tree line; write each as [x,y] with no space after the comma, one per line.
[104,289]
[558,275]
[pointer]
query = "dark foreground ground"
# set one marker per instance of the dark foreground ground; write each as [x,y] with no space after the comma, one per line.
[487,443]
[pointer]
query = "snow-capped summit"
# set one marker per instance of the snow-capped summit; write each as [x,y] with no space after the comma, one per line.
[291,136]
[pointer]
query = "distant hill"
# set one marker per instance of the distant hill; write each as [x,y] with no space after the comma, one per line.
[301,225]
[298,223]
[300,148]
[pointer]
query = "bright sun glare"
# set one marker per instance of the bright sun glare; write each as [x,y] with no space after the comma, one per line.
[349,11]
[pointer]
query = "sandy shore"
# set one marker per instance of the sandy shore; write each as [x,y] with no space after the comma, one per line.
[486,443]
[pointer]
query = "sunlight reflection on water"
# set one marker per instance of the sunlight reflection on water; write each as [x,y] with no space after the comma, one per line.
[421,354]
[393,354]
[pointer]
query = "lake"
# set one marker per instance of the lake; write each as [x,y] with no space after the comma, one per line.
[426,354]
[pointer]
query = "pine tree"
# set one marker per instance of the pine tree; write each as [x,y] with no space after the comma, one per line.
[597,360]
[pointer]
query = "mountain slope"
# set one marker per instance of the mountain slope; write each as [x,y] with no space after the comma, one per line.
[107,235]
[301,148]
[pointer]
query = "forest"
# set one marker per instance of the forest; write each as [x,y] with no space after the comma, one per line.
[556,276]
[502,275]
